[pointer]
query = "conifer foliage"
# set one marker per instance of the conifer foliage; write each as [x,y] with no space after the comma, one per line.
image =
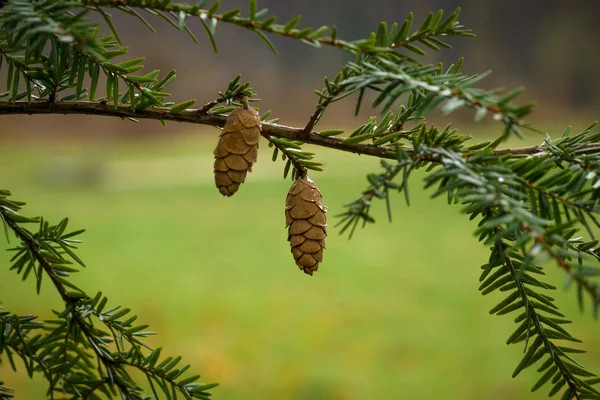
[537,207]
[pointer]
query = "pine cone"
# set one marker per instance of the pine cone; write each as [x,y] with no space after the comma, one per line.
[306,221]
[236,150]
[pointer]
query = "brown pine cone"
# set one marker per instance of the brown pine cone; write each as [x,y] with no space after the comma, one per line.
[236,150]
[306,222]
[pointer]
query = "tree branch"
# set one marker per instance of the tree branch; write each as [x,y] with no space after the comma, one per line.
[256,25]
[566,266]
[591,148]
[533,314]
[31,244]
[194,116]
[197,116]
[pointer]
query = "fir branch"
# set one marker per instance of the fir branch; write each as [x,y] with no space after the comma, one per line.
[23,71]
[295,158]
[123,75]
[332,92]
[301,169]
[582,281]
[70,301]
[587,208]
[26,356]
[275,130]
[211,104]
[486,190]
[320,109]
[532,315]
[520,195]
[6,393]
[537,150]
[66,357]
[90,392]
[15,333]
[242,92]
[429,29]
[576,149]
[33,249]
[380,186]
[391,80]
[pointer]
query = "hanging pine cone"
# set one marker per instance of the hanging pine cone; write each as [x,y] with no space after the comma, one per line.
[236,150]
[306,222]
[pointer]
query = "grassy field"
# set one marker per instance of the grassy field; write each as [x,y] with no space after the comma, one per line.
[392,314]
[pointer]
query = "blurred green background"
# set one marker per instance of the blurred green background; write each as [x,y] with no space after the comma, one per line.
[393,313]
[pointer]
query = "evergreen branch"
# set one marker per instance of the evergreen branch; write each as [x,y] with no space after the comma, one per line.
[43,20]
[22,71]
[123,75]
[540,150]
[489,189]
[486,190]
[44,352]
[391,80]
[301,169]
[296,159]
[189,116]
[380,186]
[94,388]
[259,22]
[523,176]
[320,109]
[275,130]
[333,91]
[211,104]
[6,393]
[235,91]
[575,149]
[14,334]
[587,208]
[590,287]
[34,250]
[75,50]
[70,301]
[519,195]
[163,372]
[27,355]
[532,315]
[19,326]
[67,362]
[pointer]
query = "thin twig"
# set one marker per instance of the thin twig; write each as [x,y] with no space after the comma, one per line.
[204,109]
[320,109]
[299,167]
